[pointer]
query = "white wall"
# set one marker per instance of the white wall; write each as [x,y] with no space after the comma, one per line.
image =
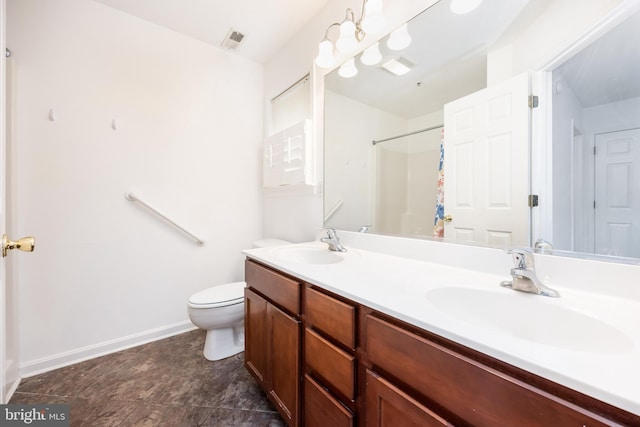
[612,117]
[401,200]
[189,130]
[567,119]
[351,168]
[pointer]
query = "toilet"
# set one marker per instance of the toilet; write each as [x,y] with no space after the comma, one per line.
[219,310]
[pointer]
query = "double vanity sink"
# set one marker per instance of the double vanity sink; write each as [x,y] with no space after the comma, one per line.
[577,322]
[584,340]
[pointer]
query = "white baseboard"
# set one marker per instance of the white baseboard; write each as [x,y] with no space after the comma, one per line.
[12,385]
[35,367]
[11,389]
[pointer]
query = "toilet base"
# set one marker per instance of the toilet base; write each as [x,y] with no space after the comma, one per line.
[224,342]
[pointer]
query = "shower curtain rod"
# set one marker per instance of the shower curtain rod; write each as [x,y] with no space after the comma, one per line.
[374,142]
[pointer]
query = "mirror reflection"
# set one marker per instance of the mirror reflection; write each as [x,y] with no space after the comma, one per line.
[409,154]
[596,145]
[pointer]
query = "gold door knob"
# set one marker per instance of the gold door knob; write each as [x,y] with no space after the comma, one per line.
[447,218]
[26,244]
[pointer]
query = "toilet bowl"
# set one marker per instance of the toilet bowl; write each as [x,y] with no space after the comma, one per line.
[219,310]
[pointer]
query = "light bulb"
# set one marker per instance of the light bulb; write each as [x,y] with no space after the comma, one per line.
[399,39]
[373,21]
[348,69]
[325,58]
[461,7]
[371,55]
[347,41]
[373,6]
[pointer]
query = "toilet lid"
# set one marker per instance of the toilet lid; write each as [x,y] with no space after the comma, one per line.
[227,293]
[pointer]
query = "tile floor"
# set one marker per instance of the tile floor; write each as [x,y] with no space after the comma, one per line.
[163,383]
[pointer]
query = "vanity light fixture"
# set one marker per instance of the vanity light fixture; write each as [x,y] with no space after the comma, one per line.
[399,39]
[373,21]
[325,58]
[351,32]
[460,7]
[348,69]
[349,36]
[371,55]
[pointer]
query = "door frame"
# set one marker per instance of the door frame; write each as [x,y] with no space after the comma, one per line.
[542,119]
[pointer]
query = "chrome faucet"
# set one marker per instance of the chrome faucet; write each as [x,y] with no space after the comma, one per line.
[365,228]
[524,275]
[333,241]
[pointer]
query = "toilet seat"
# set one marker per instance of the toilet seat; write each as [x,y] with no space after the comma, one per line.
[218,296]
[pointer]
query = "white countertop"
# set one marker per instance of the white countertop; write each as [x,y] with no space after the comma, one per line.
[399,286]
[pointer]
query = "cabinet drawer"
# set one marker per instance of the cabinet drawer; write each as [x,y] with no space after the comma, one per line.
[280,289]
[334,365]
[333,317]
[321,409]
[388,406]
[474,392]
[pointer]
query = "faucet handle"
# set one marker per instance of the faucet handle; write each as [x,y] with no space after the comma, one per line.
[543,247]
[522,258]
[331,233]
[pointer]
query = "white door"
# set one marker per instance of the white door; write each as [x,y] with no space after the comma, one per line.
[9,375]
[486,165]
[5,358]
[617,193]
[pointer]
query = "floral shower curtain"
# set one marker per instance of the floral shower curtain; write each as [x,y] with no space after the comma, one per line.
[438,223]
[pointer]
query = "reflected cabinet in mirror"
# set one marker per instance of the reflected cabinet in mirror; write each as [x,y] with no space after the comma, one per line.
[517,121]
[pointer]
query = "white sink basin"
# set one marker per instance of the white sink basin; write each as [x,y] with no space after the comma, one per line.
[530,317]
[311,254]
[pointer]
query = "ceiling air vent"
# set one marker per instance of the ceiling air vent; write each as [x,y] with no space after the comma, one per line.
[232,40]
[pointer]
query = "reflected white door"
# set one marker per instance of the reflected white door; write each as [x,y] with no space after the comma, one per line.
[617,193]
[486,164]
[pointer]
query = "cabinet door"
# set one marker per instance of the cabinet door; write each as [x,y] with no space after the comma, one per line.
[255,335]
[476,393]
[321,409]
[284,363]
[388,406]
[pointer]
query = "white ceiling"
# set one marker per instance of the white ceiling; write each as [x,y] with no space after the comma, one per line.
[266,24]
[608,70]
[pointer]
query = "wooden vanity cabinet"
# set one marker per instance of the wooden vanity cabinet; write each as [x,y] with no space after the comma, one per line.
[351,365]
[273,337]
[330,362]
[437,382]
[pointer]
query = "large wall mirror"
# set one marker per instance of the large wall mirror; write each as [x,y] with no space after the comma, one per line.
[453,149]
